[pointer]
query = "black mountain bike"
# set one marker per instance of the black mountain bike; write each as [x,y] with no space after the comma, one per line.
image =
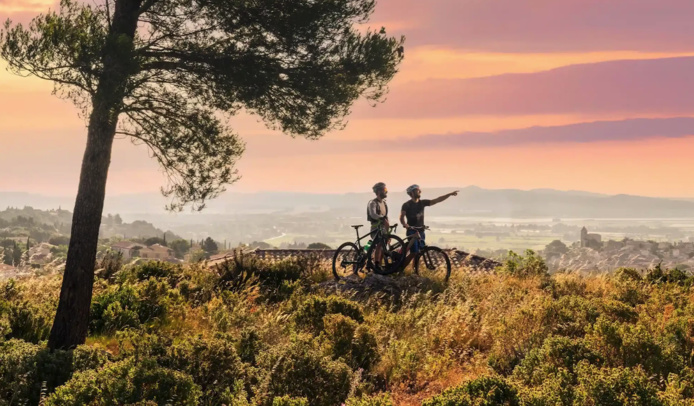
[353,257]
[430,260]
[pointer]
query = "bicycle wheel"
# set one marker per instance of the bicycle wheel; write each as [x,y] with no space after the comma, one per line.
[432,261]
[392,257]
[347,260]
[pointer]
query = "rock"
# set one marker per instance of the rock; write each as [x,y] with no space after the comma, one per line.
[390,288]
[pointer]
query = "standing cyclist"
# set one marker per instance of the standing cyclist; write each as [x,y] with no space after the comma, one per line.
[412,217]
[377,214]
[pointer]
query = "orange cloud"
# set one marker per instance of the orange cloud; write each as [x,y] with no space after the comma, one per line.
[429,62]
[21,6]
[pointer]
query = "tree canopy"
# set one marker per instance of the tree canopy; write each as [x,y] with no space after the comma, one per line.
[298,64]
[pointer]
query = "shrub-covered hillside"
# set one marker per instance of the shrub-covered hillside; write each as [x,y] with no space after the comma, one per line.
[251,333]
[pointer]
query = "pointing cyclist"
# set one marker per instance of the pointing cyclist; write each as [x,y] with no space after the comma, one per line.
[412,217]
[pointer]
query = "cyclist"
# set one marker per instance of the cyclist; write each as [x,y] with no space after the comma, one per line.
[377,214]
[412,218]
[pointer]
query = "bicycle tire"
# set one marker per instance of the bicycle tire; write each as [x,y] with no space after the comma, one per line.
[348,251]
[432,261]
[392,259]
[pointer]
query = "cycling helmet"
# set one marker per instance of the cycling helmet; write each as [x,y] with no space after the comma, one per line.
[412,189]
[378,186]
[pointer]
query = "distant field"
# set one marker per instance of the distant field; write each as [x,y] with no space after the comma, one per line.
[459,241]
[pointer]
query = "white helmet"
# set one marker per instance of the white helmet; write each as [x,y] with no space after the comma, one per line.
[412,189]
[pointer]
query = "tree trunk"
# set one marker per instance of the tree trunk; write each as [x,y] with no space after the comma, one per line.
[71,322]
[72,318]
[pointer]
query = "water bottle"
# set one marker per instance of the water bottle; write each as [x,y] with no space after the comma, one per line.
[367,245]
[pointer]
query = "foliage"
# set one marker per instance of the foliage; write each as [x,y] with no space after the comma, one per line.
[180,247]
[25,367]
[378,400]
[527,265]
[222,338]
[311,313]
[129,306]
[110,263]
[301,370]
[289,401]
[155,240]
[318,246]
[210,246]
[127,382]
[484,391]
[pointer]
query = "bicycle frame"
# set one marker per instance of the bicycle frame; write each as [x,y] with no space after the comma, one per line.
[373,234]
[362,254]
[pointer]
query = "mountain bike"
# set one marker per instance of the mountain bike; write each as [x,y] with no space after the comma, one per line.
[353,257]
[430,260]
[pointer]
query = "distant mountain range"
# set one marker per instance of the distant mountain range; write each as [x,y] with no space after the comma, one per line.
[471,202]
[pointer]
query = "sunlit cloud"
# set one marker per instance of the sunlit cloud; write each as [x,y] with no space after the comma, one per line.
[626,87]
[449,63]
[21,6]
[544,26]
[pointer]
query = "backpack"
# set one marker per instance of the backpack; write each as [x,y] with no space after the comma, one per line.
[368,216]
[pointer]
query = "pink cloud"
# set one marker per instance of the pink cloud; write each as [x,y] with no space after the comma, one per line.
[657,86]
[543,26]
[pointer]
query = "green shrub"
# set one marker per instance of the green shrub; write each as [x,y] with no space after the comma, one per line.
[556,389]
[28,321]
[5,328]
[378,400]
[557,353]
[127,306]
[484,391]
[170,273]
[629,345]
[126,298]
[18,374]
[276,281]
[289,401]
[617,311]
[628,275]
[156,300]
[127,382]
[115,318]
[354,344]
[86,357]
[25,366]
[302,371]
[522,330]
[629,287]
[524,266]
[110,263]
[139,344]
[212,363]
[680,389]
[249,346]
[614,387]
[570,315]
[310,314]
[676,276]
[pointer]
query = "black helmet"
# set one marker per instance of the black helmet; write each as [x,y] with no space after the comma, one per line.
[378,186]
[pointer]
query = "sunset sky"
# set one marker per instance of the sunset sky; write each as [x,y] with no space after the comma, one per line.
[591,95]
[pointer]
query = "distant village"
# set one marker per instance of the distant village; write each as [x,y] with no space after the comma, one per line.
[591,253]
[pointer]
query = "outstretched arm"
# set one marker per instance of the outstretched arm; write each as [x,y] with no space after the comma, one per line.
[444,197]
